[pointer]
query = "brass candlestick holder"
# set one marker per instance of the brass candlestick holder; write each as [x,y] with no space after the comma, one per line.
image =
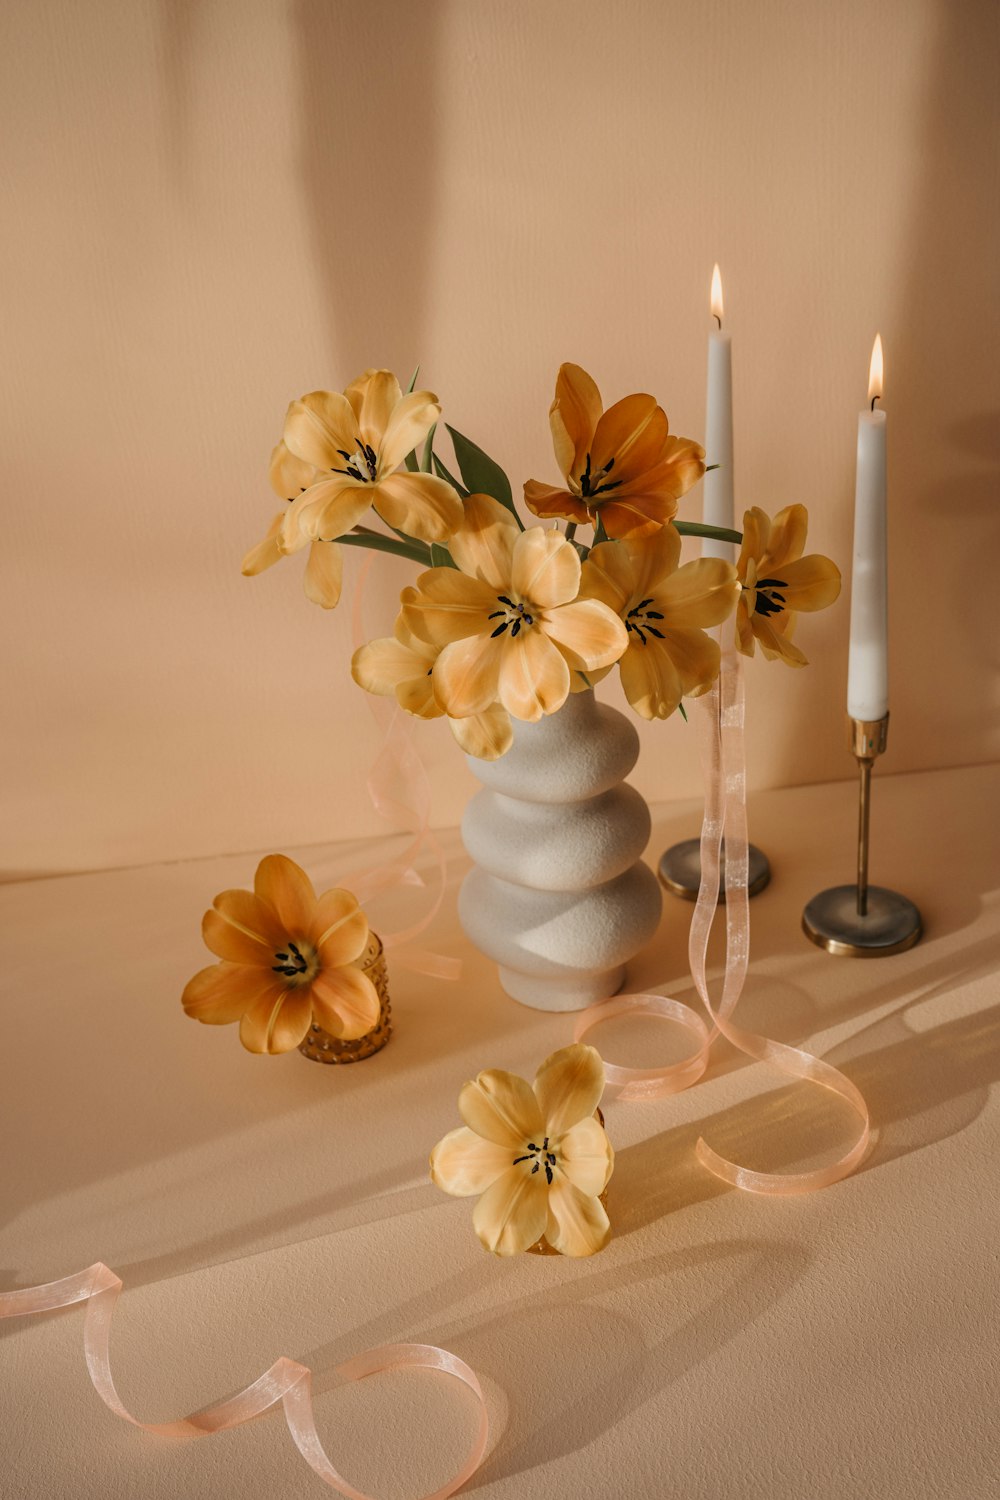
[862,920]
[680,870]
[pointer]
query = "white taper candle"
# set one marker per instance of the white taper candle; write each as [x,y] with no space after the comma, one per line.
[868,664]
[719,504]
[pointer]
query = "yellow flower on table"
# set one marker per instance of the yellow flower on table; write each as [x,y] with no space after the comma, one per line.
[288,957]
[665,609]
[324,573]
[777,581]
[507,622]
[536,1157]
[355,444]
[621,466]
[402,667]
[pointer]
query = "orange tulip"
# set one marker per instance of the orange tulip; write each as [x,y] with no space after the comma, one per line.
[621,466]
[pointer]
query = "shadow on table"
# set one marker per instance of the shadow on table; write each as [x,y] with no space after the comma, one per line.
[921,1088]
[557,1402]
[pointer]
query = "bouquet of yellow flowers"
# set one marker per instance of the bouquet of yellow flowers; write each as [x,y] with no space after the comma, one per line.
[505,621]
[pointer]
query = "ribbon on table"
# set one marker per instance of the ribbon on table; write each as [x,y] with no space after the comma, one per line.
[400,793]
[721,714]
[286,1381]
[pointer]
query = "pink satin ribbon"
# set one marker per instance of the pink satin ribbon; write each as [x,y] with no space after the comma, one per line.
[721,716]
[286,1380]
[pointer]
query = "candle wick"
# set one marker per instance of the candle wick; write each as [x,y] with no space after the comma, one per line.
[718,320]
[874,399]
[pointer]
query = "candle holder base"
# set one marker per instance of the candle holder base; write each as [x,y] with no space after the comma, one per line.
[892,923]
[680,870]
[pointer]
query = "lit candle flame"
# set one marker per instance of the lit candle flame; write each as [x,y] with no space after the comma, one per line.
[717,293]
[875,370]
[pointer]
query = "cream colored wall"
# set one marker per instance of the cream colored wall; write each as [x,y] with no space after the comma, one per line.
[211,208]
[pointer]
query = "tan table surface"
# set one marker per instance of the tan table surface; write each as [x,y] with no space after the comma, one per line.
[843,1344]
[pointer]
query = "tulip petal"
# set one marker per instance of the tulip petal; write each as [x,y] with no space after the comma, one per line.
[637,520]
[324,575]
[586,1157]
[787,536]
[465,1165]
[695,657]
[328,510]
[573,418]
[545,568]
[466,676]
[339,928]
[534,676]
[547,500]
[373,398]
[501,1108]
[483,544]
[419,504]
[278,1021]
[382,665]
[809,583]
[411,421]
[701,593]
[568,1087]
[416,696]
[756,532]
[286,888]
[631,435]
[223,992]
[588,633]
[776,645]
[447,606]
[577,1223]
[289,475]
[267,551]
[320,427]
[345,1002]
[651,682]
[511,1215]
[487,736]
[680,465]
[241,929]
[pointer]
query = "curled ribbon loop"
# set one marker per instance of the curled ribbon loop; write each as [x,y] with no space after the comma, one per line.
[286,1381]
[650,1083]
[721,718]
[722,723]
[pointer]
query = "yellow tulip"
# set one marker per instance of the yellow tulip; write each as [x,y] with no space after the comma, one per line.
[664,609]
[777,581]
[535,1156]
[507,622]
[288,957]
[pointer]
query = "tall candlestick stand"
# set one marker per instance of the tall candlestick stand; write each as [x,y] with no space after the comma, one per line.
[862,920]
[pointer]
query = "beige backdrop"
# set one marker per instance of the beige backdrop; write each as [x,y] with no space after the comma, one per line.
[211,208]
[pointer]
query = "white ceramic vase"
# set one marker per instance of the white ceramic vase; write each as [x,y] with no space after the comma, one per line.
[558,896]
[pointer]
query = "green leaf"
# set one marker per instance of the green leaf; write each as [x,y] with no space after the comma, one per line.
[413,380]
[482,474]
[425,462]
[600,535]
[417,552]
[683,712]
[710,467]
[441,557]
[443,473]
[412,462]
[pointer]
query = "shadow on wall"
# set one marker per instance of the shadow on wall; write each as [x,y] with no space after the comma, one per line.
[369,169]
[946,468]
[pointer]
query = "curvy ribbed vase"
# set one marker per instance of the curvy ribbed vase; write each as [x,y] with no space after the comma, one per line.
[558,896]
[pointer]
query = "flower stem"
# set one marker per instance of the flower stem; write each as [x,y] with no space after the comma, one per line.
[363,536]
[717,533]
